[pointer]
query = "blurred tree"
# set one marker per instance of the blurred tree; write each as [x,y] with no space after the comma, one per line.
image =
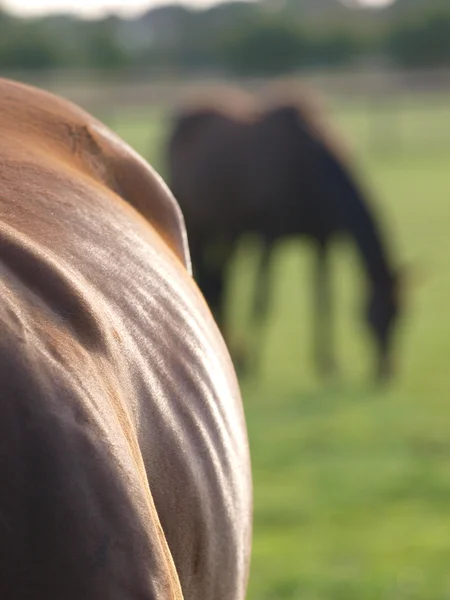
[24,46]
[338,48]
[102,47]
[265,38]
[308,10]
[407,9]
[268,46]
[424,43]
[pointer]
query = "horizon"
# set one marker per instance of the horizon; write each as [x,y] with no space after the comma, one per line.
[126,8]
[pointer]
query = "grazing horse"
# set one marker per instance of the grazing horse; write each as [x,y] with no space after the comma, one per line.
[277,172]
[123,449]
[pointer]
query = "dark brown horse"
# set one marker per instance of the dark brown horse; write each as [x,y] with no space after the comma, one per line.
[278,173]
[124,462]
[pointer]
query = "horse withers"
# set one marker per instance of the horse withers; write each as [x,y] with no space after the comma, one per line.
[123,449]
[277,171]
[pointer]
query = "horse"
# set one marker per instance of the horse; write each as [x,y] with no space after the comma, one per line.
[123,449]
[276,170]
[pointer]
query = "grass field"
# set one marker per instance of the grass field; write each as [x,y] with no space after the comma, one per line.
[352,485]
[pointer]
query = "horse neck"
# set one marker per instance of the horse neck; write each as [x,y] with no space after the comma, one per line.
[367,237]
[358,220]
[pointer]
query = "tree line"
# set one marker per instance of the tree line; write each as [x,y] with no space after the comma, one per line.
[234,37]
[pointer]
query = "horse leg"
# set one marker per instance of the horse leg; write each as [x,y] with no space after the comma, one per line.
[209,279]
[261,301]
[210,276]
[215,284]
[323,342]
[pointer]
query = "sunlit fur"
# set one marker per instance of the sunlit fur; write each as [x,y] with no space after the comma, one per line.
[123,451]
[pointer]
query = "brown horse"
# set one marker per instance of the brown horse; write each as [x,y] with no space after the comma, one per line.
[123,450]
[277,172]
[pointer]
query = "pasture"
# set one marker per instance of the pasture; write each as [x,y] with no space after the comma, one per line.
[352,484]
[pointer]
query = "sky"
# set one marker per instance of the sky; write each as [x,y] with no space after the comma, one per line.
[99,7]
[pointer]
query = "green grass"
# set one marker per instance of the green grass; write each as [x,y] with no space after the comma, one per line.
[352,485]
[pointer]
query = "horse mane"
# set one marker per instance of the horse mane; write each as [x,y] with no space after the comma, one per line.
[312,111]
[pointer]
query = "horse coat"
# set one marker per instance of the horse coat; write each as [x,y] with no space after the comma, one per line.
[124,460]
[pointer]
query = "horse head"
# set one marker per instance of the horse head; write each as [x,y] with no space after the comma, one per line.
[383,310]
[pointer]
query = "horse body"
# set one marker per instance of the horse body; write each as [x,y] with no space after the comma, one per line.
[123,449]
[275,176]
